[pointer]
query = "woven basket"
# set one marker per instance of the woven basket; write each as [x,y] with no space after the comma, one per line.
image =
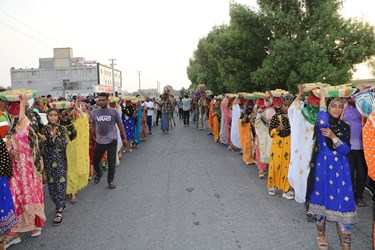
[16,95]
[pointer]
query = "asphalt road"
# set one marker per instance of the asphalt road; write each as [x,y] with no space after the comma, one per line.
[183,191]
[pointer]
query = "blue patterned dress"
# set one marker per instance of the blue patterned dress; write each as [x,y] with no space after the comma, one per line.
[7,212]
[128,121]
[332,196]
[138,127]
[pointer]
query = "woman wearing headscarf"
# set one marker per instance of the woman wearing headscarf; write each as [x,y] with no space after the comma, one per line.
[23,147]
[332,197]
[77,158]
[53,145]
[280,151]
[302,122]
[128,121]
[216,116]
[263,140]
[245,131]
[234,132]
[7,211]
[223,107]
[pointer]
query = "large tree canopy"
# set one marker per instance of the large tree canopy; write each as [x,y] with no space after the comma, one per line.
[284,43]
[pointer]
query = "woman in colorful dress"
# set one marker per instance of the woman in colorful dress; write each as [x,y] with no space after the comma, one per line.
[138,122]
[223,105]
[23,146]
[129,124]
[7,211]
[144,127]
[54,143]
[245,131]
[280,152]
[77,158]
[234,131]
[216,116]
[66,120]
[332,197]
[166,112]
[302,121]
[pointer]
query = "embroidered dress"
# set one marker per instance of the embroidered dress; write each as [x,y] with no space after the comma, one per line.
[128,121]
[333,194]
[26,184]
[227,113]
[280,154]
[264,140]
[302,132]
[210,115]
[77,158]
[138,125]
[234,131]
[7,212]
[246,142]
[55,163]
[144,127]
[369,145]
[223,137]
[216,116]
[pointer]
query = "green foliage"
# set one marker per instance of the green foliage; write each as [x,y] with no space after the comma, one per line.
[285,43]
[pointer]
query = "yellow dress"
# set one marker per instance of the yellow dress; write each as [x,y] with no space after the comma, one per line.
[280,155]
[78,159]
[246,142]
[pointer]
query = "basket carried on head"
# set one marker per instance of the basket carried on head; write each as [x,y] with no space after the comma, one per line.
[278,93]
[15,95]
[62,105]
[344,90]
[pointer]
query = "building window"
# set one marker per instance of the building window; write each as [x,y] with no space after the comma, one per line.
[33,73]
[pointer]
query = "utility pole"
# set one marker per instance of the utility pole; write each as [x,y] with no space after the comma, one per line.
[139,82]
[113,76]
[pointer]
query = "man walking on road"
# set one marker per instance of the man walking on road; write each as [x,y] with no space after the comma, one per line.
[186,109]
[104,121]
[150,112]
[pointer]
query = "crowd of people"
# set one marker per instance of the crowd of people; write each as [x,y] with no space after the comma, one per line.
[310,148]
[63,144]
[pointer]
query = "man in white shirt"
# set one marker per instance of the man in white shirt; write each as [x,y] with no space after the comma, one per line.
[150,112]
[186,110]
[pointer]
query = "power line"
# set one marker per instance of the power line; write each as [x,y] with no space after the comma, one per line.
[41,33]
[37,31]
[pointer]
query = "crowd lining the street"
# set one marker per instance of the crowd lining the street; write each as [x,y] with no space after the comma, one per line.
[311,148]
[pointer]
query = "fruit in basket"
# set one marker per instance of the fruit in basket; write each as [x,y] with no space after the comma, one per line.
[279,93]
[62,105]
[344,90]
[311,86]
[262,95]
[16,94]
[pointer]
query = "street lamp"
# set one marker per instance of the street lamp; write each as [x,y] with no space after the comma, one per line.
[113,76]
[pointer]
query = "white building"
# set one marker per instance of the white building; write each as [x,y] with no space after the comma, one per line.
[65,75]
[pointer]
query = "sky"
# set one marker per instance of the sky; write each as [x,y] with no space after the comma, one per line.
[156,38]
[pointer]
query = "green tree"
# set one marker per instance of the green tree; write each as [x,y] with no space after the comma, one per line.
[311,42]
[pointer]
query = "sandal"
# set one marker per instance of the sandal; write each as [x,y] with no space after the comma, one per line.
[58,219]
[361,202]
[322,242]
[73,200]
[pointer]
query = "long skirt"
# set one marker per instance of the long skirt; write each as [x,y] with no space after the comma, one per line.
[164,122]
[216,128]
[7,213]
[56,171]
[246,142]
